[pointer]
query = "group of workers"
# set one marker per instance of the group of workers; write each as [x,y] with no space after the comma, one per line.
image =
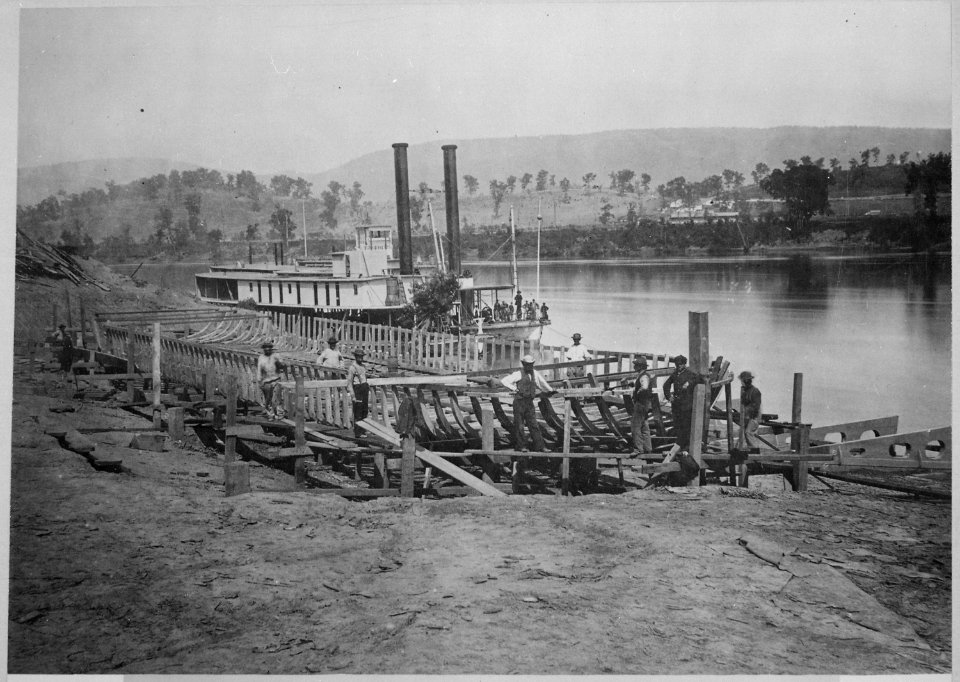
[270,368]
[528,383]
[503,311]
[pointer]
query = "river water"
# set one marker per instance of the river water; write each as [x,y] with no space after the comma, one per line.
[871,334]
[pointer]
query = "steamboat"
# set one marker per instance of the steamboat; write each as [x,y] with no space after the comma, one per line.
[368,283]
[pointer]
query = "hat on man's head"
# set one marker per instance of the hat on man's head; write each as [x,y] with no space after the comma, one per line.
[527,359]
[332,340]
[577,337]
[266,344]
[746,374]
[63,326]
[680,360]
[640,361]
[359,353]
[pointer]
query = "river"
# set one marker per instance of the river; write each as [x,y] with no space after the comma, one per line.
[871,334]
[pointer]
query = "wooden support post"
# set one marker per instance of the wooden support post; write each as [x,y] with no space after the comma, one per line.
[156,376]
[236,478]
[209,382]
[96,333]
[380,477]
[230,442]
[66,295]
[408,447]
[696,429]
[131,365]
[795,412]
[490,468]
[299,435]
[699,342]
[56,320]
[175,423]
[801,436]
[426,481]
[83,324]
[565,462]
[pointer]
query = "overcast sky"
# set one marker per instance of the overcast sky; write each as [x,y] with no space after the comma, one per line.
[307,88]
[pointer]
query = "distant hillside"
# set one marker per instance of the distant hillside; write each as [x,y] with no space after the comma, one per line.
[664,154]
[38,182]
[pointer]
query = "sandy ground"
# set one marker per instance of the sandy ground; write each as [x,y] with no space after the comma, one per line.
[154,570]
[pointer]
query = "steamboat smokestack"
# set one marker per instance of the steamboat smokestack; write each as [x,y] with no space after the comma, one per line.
[453,205]
[405,237]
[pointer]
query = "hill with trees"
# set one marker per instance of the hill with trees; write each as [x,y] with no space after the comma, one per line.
[206,213]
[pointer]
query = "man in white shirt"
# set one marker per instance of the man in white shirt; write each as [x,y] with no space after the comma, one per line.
[331,357]
[269,368]
[525,384]
[577,353]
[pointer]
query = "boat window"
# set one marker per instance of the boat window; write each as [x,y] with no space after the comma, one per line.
[298,293]
[289,288]
[327,287]
[259,293]
[316,300]
[337,285]
[250,284]
[280,289]
[355,291]
[270,292]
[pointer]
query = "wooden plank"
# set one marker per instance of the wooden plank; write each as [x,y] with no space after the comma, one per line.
[551,454]
[409,447]
[876,452]
[883,426]
[437,462]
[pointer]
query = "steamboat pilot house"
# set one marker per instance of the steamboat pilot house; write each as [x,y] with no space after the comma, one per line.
[363,283]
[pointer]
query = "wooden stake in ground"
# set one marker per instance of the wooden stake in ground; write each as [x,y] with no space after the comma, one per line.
[156,376]
[696,430]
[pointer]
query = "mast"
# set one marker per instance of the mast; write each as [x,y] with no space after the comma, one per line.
[513,258]
[437,239]
[303,213]
[539,227]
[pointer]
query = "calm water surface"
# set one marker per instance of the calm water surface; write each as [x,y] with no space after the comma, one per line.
[871,335]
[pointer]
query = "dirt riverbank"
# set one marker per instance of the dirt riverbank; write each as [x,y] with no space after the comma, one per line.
[153,570]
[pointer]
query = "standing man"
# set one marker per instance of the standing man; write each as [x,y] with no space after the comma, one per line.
[577,353]
[359,389]
[330,356]
[269,368]
[525,384]
[678,390]
[518,299]
[642,404]
[749,410]
[65,356]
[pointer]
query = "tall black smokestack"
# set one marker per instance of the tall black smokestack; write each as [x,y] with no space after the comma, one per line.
[403,208]
[453,205]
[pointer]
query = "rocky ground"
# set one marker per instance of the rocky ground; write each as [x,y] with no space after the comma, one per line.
[152,569]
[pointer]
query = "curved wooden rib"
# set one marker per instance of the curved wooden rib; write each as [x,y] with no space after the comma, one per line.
[460,418]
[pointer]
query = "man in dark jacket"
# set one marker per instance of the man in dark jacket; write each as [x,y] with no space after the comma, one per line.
[642,404]
[749,410]
[678,389]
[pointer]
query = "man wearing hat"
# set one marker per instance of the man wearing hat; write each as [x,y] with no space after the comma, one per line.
[525,383]
[330,356]
[269,368]
[749,410]
[65,356]
[359,389]
[678,389]
[642,404]
[577,353]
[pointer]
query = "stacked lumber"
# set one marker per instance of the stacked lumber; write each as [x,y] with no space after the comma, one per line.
[36,259]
